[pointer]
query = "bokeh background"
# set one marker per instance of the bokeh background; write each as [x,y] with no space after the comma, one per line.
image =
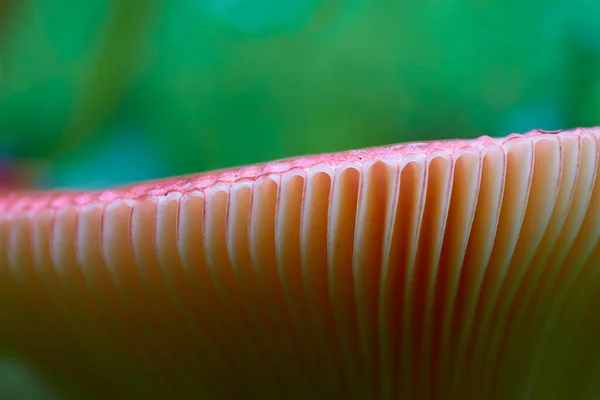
[96,93]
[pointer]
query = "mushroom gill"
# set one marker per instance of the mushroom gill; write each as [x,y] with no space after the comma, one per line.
[439,270]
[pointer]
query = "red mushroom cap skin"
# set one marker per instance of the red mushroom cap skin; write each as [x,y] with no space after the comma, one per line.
[438,270]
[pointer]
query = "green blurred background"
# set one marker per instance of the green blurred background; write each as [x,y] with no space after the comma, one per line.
[100,92]
[97,92]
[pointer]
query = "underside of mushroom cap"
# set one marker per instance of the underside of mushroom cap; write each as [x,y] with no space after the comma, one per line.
[444,269]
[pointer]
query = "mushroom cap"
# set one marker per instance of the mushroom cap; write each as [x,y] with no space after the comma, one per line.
[446,269]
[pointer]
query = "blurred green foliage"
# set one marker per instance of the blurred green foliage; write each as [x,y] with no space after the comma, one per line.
[215,83]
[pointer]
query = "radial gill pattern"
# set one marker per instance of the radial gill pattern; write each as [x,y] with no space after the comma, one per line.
[442,270]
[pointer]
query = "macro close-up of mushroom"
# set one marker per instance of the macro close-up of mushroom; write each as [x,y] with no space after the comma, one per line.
[455,269]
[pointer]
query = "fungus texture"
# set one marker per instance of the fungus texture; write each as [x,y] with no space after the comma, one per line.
[439,270]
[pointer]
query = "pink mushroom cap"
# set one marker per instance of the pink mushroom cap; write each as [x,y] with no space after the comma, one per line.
[438,270]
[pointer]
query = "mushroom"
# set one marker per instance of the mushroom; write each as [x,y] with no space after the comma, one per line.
[438,270]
